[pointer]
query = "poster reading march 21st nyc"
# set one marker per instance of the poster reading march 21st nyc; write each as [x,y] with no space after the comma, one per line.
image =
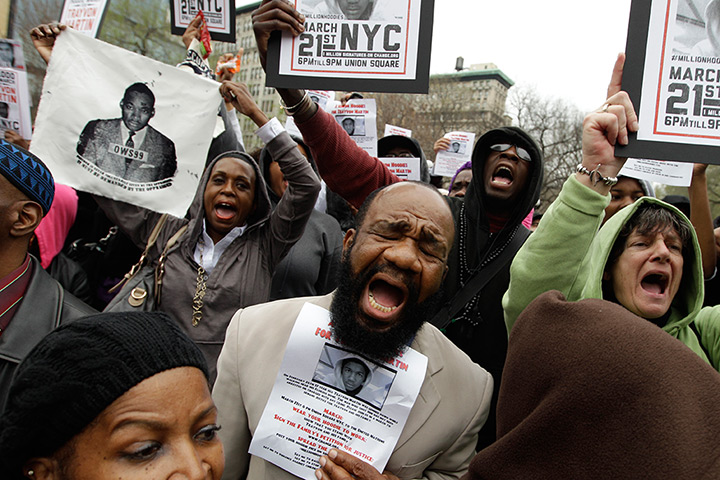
[681,78]
[85,16]
[219,16]
[326,396]
[348,44]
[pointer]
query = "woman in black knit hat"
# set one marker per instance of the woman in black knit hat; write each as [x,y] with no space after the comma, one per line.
[111,396]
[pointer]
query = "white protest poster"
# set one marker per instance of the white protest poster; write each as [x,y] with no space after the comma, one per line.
[85,16]
[406,168]
[363,45]
[15,102]
[359,119]
[678,174]
[324,98]
[11,54]
[393,130]
[219,17]
[671,74]
[133,129]
[460,151]
[326,396]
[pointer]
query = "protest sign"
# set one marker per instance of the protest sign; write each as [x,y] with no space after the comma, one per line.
[358,118]
[14,102]
[448,161]
[393,130]
[678,174]
[85,16]
[406,168]
[380,46]
[219,16]
[11,54]
[315,405]
[325,99]
[133,129]
[671,74]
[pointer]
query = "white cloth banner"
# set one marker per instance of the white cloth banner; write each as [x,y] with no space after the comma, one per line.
[120,125]
[322,400]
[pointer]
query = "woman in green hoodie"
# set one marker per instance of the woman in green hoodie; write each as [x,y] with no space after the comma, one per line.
[645,258]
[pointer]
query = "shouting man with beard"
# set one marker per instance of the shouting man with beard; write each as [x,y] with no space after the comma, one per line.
[393,266]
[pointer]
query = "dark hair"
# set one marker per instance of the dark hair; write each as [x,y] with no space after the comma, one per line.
[355,360]
[139,88]
[367,203]
[650,218]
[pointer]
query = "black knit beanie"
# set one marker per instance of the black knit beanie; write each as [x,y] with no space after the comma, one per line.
[77,371]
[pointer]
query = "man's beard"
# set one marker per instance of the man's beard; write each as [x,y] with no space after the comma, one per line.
[349,331]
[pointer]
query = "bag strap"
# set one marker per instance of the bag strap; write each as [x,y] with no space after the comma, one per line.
[160,268]
[480,278]
[154,234]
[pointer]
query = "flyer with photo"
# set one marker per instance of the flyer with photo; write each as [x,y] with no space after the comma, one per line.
[359,119]
[14,102]
[460,151]
[326,396]
[11,54]
[359,45]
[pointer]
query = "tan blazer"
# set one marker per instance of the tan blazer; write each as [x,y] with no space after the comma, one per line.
[439,438]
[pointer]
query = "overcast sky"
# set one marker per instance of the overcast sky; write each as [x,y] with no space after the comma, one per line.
[566,48]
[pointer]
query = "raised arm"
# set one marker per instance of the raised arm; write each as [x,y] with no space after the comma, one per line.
[347,169]
[554,257]
[701,218]
[43,38]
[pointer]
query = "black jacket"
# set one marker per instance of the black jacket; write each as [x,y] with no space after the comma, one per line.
[44,307]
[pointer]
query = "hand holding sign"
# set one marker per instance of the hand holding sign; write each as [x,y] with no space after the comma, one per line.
[271,16]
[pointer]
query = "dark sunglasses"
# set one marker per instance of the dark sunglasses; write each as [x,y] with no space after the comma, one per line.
[521,152]
[399,155]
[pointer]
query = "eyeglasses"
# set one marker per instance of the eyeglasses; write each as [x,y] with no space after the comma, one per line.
[521,152]
[399,155]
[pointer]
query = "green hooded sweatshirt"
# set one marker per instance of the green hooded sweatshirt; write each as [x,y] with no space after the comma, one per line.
[568,253]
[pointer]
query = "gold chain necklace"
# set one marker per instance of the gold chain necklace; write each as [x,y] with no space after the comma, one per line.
[200,289]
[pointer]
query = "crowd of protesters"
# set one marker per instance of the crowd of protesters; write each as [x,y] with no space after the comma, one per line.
[583,342]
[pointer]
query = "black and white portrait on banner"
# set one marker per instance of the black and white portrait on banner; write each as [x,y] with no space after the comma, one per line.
[139,129]
[672,74]
[128,147]
[364,45]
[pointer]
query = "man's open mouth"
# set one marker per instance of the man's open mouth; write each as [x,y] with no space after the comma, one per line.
[502,175]
[655,283]
[225,211]
[385,297]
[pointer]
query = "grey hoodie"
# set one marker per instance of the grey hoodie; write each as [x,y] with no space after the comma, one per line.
[243,273]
